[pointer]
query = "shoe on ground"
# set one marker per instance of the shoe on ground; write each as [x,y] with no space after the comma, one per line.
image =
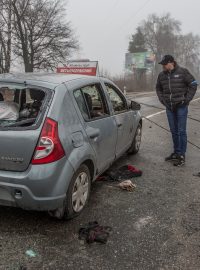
[172,157]
[180,162]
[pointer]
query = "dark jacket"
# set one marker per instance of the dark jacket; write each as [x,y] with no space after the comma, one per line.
[176,88]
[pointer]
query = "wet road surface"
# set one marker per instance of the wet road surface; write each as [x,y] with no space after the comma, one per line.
[155,227]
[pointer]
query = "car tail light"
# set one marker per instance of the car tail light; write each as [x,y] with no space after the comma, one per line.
[49,147]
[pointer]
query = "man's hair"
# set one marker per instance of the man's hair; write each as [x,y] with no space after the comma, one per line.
[167,59]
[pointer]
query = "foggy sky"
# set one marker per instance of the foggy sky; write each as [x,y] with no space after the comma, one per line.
[104,27]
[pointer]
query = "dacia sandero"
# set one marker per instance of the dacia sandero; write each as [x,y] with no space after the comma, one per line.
[58,133]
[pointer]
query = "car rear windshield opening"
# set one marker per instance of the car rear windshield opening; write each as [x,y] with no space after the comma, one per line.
[19,106]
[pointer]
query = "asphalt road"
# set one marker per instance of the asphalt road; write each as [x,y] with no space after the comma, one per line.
[155,227]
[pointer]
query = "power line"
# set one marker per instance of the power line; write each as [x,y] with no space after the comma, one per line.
[111,10]
[136,12]
[198,147]
[156,107]
[158,125]
[116,3]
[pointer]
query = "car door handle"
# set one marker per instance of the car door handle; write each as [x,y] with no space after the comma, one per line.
[93,133]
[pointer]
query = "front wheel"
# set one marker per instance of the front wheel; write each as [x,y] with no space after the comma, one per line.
[135,146]
[77,195]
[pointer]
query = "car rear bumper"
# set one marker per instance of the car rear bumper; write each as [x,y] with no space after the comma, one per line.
[21,196]
[41,187]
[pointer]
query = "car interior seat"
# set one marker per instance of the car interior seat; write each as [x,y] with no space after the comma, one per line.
[20,98]
[89,103]
[1,97]
[37,96]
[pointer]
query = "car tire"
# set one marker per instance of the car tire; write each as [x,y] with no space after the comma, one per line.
[77,195]
[135,146]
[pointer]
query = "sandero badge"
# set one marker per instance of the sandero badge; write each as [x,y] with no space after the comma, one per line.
[12,159]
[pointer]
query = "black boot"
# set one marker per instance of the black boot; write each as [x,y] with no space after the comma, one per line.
[172,157]
[180,162]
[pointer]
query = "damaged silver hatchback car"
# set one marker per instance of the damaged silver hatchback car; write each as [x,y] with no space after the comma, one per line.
[58,133]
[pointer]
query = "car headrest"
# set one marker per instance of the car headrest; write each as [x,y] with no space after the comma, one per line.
[88,100]
[37,94]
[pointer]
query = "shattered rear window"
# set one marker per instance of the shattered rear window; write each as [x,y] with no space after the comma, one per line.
[19,106]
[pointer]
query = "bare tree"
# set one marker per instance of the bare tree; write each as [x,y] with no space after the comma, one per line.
[5,36]
[42,37]
[104,73]
[188,52]
[160,34]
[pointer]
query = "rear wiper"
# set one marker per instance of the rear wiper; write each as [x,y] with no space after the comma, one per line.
[20,123]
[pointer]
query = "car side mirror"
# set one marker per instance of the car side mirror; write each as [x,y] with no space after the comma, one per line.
[135,106]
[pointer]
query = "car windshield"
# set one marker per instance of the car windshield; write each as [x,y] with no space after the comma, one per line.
[19,105]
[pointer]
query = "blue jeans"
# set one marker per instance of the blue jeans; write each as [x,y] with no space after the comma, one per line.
[177,123]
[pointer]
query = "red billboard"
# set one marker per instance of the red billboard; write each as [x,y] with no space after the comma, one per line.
[75,67]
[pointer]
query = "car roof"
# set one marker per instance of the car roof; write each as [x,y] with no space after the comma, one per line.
[49,80]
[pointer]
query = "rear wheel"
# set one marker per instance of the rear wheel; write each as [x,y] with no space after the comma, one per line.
[135,146]
[77,195]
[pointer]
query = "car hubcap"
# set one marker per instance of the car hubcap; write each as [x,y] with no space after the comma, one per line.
[80,192]
[138,138]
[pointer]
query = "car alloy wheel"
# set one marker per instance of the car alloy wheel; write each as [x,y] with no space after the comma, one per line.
[80,192]
[77,195]
[138,137]
[135,146]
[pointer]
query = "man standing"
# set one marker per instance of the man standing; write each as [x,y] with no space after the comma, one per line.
[175,88]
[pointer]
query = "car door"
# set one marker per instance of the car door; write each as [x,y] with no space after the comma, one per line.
[100,127]
[123,117]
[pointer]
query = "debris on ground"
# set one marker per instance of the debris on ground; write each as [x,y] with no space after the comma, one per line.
[22,267]
[31,253]
[93,232]
[125,172]
[104,178]
[196,174]
[127,185]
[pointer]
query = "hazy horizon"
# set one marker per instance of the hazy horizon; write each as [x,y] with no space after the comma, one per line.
[104,27]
